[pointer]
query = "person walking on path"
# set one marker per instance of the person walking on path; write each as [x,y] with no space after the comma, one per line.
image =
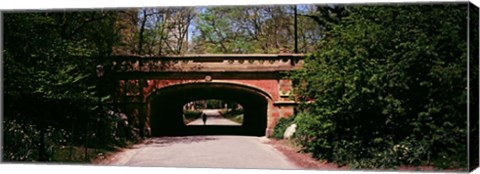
[204,118]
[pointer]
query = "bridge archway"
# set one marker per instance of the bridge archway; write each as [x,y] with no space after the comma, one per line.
[165,108]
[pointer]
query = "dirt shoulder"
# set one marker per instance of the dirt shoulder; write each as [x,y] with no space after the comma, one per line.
[306,161]
[302,160]
[113,156]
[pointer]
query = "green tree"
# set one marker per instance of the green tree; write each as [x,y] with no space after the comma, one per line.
[217,32]
[49,61]
[387,88]
[253,29]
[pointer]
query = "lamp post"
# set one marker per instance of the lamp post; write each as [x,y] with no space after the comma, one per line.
[99,72]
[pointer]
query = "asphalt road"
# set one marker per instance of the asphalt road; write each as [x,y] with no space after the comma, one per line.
[213,118]
[203,152]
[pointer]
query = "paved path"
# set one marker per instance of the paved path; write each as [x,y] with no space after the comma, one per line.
[204,151]
[213,118]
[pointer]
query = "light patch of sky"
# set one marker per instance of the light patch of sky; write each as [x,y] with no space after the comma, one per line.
[303,8]
[152,21]
[193,25]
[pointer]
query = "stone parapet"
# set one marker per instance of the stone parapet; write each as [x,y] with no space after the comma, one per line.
[208,63]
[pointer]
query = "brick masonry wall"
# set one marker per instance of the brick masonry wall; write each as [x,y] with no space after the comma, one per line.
[269,85]
[275,88]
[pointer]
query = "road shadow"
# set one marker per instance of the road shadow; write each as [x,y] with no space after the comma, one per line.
[167,141]
[211,130]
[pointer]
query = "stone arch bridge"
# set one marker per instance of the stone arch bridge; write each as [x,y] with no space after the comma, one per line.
[152,90]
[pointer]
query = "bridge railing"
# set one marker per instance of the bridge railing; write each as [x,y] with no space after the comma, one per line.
[208,62]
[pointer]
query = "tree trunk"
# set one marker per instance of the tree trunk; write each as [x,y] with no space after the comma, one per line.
[140,35]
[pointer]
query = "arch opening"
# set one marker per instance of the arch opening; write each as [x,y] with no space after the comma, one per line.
[167,109]
[212,112]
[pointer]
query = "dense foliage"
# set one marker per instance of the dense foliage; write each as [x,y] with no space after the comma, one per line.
[219,30]
[234,114]
[51,92]
[388,88]
[253,29]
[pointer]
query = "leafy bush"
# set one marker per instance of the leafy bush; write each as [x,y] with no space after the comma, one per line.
[282,125]
[23,142]
[387,88]
[192,115]
[19,141]
[229,113]
[29,141]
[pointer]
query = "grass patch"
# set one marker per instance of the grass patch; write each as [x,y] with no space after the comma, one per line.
[77,155]
[233,115]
